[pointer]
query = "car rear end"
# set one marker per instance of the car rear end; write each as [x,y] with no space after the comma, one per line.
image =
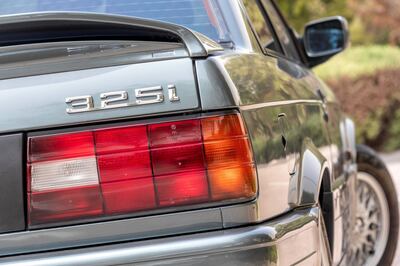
[108,157]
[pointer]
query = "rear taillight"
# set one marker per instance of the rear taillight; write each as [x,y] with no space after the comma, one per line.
[123,170]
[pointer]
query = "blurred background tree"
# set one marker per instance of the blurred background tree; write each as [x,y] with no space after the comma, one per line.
[302,11]
[381,17]
[371,21]
[366,77]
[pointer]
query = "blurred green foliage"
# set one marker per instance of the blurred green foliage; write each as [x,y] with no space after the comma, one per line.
[357,12]
[393,143]
[366,77]
[366,81]
[360,60]
[360,35]
[299,12]
[380,128]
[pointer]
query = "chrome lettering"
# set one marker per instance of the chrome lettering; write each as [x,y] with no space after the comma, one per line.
[149,95]
[114,99]
[80,104]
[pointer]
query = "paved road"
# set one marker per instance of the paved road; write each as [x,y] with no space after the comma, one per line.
[393,163]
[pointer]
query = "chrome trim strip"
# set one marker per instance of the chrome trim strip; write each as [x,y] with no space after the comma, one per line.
[208,44]
[278,103]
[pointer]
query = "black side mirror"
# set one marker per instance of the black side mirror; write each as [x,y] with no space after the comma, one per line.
[325,38]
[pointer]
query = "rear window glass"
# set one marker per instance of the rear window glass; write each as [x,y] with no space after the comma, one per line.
[200,15]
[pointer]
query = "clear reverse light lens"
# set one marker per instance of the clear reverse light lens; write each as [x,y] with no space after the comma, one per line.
[61,174]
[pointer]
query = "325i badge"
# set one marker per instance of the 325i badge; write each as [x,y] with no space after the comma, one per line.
[120,99]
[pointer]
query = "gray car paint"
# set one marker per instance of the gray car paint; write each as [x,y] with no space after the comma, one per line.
[12,200]
[34,98]
[228,83]
[110,231]
[46,58]
[261,103]
[256,245]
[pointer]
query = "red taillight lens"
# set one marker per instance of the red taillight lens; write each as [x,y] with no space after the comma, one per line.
[137,168]
[61,146]
[123,153]
[128,196]
[123,159]
[177,159]
[175,133]
[182,188]
[65,204]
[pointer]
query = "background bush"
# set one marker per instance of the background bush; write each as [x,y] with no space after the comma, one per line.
[366,77]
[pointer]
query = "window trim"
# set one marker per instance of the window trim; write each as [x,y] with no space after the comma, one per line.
[289,31]
[281,54]
[265,50]
[271,27]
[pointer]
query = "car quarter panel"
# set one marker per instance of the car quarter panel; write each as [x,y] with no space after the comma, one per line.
[342,133]
[285,119]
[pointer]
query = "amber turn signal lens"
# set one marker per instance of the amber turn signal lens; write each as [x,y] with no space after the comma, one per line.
[233,182]
[222,127]
[228,152]
[230,165]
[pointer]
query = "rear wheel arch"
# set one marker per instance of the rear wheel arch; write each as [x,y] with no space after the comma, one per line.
[316,185]
[314,174]
[326,204]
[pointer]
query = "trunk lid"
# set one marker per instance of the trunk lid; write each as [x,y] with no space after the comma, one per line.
[38,79]
[50,57]
[37,102]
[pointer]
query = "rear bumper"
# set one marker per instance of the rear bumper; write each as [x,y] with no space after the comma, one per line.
[287,240]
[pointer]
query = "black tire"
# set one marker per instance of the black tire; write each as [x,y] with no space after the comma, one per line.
[369,162]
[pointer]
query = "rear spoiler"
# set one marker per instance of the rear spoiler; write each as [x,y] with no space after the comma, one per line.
[68,26]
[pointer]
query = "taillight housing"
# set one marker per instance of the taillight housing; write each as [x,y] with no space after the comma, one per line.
[126,170]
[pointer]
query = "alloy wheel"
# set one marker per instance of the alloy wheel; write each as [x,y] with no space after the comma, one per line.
[372,226]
